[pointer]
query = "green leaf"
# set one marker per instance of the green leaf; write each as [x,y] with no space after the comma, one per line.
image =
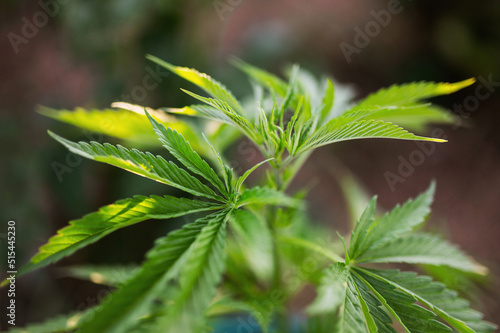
[327,103]
[414,117]
[236,119]
[400,104]
[376,319]
[144,164]
[271,81]
[203,111]
[412,317]
[132,127]
[123,213]
[422,249]
[198,278]
[443,302]
[265,196]
[104,274]
[227,172]
[351,317]
[342,129]
[163,263]
[204,81]
[354,299]
[181,150]
[398,95]
[402,219]
[242,179]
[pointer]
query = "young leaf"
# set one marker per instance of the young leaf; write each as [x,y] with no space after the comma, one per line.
[271,81]
[443,302]
[327,103]
[227,172]
[163,263]
[144,164]
[374,233]
[123,213]
[242,179]
[204,81]
[422,249]
[181,150]
[203,111]
[341,129]
[236,119]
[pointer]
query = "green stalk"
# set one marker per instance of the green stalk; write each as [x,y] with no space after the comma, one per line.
[277,271]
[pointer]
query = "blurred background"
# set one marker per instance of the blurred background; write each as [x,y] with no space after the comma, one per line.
[70,53]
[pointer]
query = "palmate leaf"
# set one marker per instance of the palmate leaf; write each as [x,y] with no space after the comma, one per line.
[120,123]
[422,249]
[123,213]
[163,264]
[371,233]
[356,300]
[443,302]
[180,149]
[342,129]
[204,81]
[401,104]
[144,164]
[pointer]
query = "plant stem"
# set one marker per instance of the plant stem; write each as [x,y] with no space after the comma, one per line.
[277,284]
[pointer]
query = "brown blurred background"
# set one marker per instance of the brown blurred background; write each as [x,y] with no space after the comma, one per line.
[91,53]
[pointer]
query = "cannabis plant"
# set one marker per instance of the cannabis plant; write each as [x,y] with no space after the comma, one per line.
[252,249]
